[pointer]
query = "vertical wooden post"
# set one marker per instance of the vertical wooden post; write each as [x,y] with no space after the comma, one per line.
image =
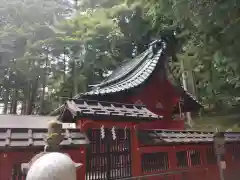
[189,158]
[172,158]
[219,144]
[180,109]
[81,173]
[203,156]
[136,155]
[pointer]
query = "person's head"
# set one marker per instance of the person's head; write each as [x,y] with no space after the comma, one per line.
[53,166]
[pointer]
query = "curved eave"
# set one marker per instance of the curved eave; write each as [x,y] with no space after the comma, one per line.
[124,70]
[191,104]
[186,93]
[135,79]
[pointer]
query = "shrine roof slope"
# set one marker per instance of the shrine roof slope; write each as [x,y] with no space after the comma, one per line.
[28,131]
[136,72]
[96,110]
[17,138]
[132,73]
[29,121]
[156,137]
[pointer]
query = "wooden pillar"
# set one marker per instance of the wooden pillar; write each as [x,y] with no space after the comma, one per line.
[203,159]
[172,158]
[83,125]
[82,172]
[136,155]
[189,162]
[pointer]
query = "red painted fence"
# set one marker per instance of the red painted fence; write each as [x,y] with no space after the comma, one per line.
[193,162]
[160,162]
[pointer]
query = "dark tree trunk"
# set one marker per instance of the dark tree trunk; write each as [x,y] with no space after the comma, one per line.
[44,85]
[14,101]
[25,99]
[6,100]
[42,96]
[64,65]
[24,104]
[32,96]
[28,97]
[74,78]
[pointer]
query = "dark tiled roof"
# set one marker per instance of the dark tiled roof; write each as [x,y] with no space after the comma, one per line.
[11,138]
[188,102]
[125,69]
[103,110]
[136,72]
[133,73]
[155,137]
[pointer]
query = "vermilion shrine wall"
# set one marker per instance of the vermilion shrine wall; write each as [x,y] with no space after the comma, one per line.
[160,97]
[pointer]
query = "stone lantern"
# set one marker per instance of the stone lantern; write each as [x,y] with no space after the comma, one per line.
[51,160]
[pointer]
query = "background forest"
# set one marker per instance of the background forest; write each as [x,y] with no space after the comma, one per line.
[53,49]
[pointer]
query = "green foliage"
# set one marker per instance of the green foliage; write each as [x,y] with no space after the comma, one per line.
[209,35]
[66,46]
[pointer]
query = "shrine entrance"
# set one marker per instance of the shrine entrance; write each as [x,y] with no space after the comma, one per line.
[109,154]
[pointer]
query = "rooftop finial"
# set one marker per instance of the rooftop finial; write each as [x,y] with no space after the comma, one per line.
[168,40]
